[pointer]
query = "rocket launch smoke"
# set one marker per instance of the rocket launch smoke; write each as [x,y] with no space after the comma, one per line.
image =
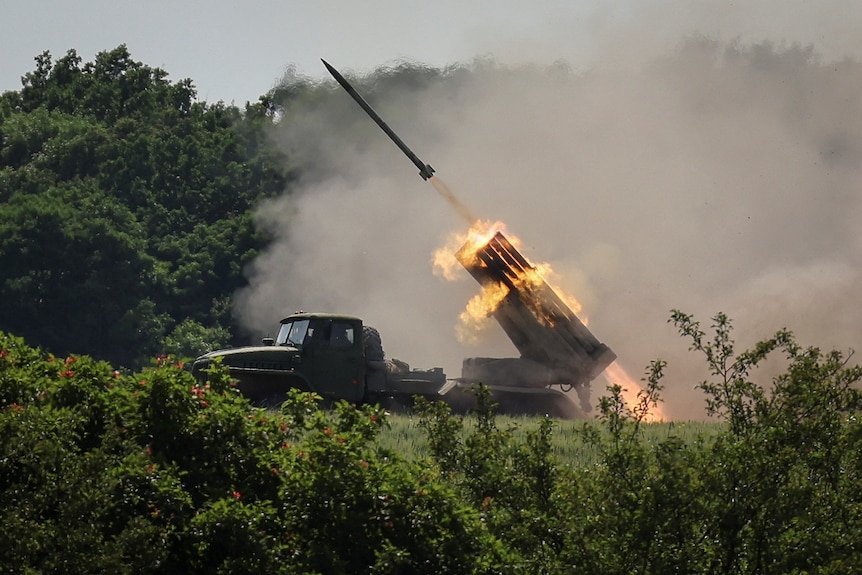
[462,210]
[719,176]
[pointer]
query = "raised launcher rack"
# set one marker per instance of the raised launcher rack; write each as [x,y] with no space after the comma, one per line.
[556,347]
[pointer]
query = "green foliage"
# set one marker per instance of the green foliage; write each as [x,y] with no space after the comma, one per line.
[645,498]
[512,484]
[190,339]
[126,203]
[787,487]
[776,492]
[157,471]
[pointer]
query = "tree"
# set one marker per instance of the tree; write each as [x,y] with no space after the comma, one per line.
[75,269]
[126,203]
[783,482]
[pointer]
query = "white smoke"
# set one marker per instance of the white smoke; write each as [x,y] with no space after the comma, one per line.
[716,176]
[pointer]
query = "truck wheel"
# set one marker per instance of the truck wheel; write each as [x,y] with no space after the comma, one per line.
[373,344]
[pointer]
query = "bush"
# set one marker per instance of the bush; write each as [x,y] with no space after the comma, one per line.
[102,471]
[155,471]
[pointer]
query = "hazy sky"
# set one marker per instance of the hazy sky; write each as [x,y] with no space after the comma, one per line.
[236,51]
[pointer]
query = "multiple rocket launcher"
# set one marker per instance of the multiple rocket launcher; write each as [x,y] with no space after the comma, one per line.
[556,347]
[542,327]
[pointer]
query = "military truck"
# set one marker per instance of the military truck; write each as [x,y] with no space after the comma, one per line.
[333,355]
[339,358]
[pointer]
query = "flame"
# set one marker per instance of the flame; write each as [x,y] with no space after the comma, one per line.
[544,272]
[479,234]
[479,308]
[473,318]
[616,375]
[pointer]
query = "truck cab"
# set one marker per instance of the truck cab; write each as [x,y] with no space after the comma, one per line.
[315,352]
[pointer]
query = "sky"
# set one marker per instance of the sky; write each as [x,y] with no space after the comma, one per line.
[661,172]
[236,51]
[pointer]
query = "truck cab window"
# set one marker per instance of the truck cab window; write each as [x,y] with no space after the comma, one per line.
[342,335]
[292,333]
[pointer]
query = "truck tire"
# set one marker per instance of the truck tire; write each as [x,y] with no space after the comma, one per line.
[372,343]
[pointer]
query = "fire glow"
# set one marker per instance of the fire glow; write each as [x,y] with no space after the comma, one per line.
[446,265]
[482,306]
[473,318]
[616,375]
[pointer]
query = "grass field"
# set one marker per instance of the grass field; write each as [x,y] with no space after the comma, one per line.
[405,437]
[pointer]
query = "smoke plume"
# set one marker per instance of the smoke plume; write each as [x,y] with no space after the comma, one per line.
[715,176]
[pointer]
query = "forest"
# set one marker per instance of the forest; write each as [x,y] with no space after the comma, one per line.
[126,208]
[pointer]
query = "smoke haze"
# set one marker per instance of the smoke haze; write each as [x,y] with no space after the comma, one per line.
[714,176]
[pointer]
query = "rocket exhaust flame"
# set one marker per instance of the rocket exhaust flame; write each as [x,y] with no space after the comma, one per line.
[549,336]
[467,245]
[615,375]
[475,316]
[480,233]
[459,207]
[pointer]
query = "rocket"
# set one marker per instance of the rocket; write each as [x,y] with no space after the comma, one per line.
[425,170]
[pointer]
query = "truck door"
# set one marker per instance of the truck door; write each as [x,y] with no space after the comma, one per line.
[338,362]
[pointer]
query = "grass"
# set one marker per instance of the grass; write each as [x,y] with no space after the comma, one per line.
[406,438]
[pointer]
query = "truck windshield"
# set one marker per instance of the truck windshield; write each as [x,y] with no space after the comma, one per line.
[292,333]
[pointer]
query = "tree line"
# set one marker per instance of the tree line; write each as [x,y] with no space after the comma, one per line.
[126,208]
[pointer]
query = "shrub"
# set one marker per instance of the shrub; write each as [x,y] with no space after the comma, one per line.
[102,471]
[156,471]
